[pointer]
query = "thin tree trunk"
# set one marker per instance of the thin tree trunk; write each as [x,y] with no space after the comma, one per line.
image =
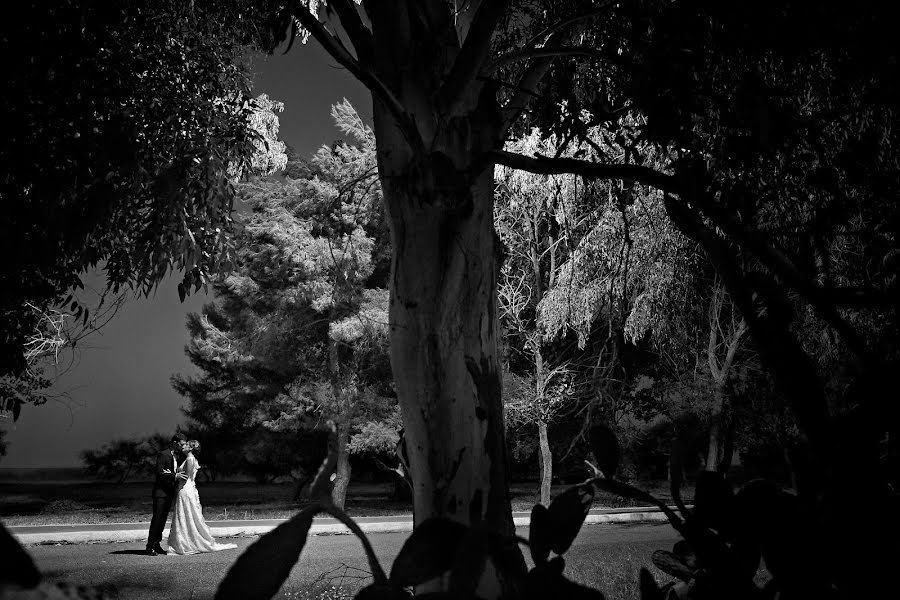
[715,430]
[727,443]
[342,474]
[546,460]
[719,369]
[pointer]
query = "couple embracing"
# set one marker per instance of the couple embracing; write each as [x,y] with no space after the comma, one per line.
[176,471]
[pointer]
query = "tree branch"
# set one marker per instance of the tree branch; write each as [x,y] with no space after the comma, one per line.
[782,267]
[544,165]
[551,29]
[472,54]
[512,57]
[527,86]
[359,34]
[333,46]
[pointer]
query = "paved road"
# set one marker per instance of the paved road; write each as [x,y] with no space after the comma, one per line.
[139,577]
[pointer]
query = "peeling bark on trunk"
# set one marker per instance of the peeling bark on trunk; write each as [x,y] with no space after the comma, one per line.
[443,321]
[546,460]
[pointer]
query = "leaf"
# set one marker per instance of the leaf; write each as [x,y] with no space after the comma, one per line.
[428,552]
[471,558]
[685,553]
[546,582]
[17,567]
[713,500]
[649,588]
[539,534]
[16,410]
[567,513]
[262,569]
[775,521]
[605,447]
[671,564]
[181,292]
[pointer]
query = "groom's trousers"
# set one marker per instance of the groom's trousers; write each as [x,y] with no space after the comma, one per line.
[161,507]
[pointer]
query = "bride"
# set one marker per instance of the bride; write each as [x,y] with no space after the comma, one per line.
[189,533]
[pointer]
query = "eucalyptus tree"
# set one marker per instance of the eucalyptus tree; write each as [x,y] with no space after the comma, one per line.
[451,81]
[766,109]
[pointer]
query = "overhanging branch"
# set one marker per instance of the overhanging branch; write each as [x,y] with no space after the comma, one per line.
[512,57]
[544,165]
[359,34]
[472,54]
[334,47]
[528,85]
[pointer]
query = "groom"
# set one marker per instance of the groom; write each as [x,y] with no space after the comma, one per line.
[164,488]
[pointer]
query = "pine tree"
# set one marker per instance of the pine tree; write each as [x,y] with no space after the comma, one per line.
[297,338]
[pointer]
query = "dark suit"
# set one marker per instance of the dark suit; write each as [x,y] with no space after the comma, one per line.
[164,488]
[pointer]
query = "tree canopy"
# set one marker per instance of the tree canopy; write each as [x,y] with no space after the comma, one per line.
[125,128]
[298,335]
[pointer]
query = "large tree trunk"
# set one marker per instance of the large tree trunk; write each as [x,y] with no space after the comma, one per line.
[342,473]
[546,460]
[439,199]
[443,320]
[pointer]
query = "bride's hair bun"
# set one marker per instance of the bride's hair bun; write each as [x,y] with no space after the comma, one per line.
[195,445]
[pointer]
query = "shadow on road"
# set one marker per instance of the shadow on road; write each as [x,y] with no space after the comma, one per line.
[133,552]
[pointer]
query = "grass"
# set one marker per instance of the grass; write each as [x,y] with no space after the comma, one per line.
[614,570]
[96,502]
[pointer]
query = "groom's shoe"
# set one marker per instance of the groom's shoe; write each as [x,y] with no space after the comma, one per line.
[151,551]
[158,549]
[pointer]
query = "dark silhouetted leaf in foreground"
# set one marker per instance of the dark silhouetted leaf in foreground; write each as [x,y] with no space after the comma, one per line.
[539,534]
[261,570]
[16,568]
[567,513]
[649,588]
[713,500]
[671,564]
[546,582]
[428,552]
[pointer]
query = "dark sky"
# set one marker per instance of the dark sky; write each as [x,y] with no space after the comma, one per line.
[120,386]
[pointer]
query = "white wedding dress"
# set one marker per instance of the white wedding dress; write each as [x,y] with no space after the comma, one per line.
[189,533]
